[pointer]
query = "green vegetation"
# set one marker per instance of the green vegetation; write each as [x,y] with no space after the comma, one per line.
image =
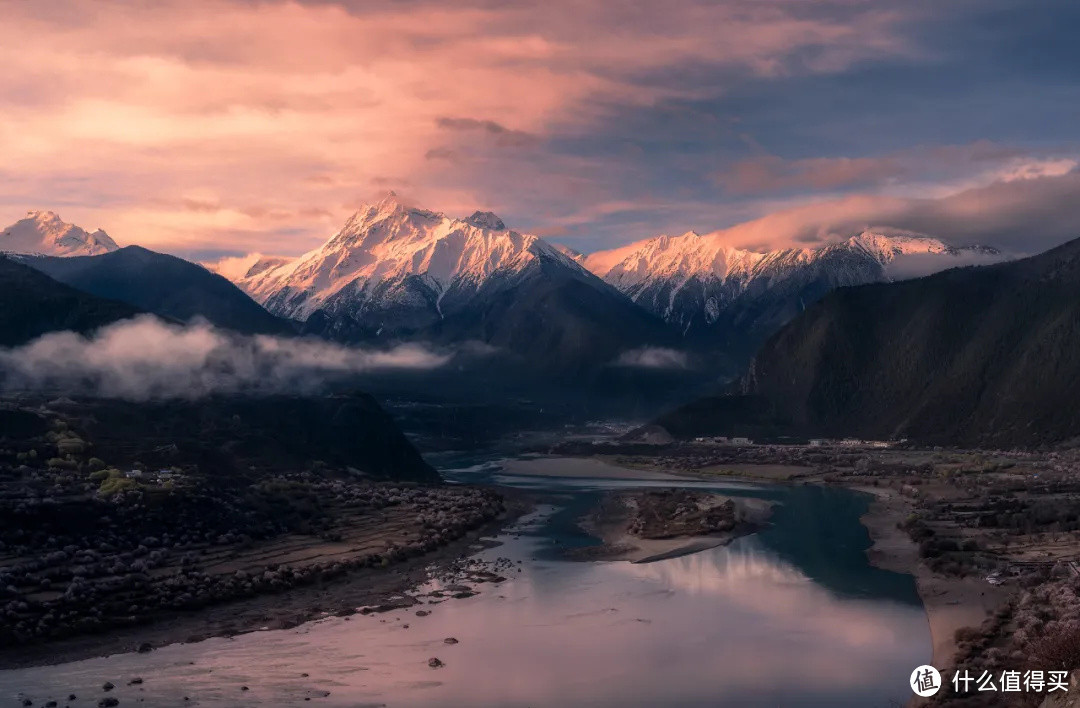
[101,475]
[113,485]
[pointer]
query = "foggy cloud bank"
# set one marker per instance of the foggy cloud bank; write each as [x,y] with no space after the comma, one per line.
[145,358]
[653,358]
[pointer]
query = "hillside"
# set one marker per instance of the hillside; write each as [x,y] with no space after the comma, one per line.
[162,284]
[985,356]
[248,435]
[32,303]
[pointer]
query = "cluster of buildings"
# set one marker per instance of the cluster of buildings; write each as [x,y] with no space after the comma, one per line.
[848,442]
[159,476]
[815,442]
[722,440]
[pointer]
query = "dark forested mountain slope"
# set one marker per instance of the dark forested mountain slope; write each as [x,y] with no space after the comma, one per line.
[32,303]
[246,433]
[162,284]
[974,356]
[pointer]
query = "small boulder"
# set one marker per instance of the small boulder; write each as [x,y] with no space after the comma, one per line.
[435,662]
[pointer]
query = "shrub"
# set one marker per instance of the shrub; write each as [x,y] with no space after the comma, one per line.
[114,485]
[1058,650]
[70,445]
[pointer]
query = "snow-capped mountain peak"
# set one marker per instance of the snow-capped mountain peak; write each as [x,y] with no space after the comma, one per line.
[391,250]
[45,233]
[486,220]
[692,280]
[885,243]
[671,258]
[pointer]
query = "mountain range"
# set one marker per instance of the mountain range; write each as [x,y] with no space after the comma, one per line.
[853,344]
[735,298]
[395,272]
[983,357]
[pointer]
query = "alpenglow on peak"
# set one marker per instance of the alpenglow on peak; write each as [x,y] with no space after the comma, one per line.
[388,252]
[43,232]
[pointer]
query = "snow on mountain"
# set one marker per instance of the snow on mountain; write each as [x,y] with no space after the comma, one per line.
[670,258]
[45,233]
[396,272]
[570,253]
[390,254]
[236,268]
[692,281]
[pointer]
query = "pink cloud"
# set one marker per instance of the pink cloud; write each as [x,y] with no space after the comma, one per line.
[1021,215]
[129,113]
[770,173]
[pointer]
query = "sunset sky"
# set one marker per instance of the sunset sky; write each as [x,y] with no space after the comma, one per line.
[216,128]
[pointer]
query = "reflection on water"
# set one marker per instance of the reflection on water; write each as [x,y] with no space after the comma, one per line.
[738,626]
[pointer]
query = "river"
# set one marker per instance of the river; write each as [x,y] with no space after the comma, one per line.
[791,616]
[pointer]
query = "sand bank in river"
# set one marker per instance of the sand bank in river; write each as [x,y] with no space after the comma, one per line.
[643,526]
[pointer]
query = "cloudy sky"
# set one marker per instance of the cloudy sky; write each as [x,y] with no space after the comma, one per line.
[219,127]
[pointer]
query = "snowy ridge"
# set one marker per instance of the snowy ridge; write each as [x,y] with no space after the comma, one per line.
[672,258]
[45,233]
[389,252]
[690,279]
[237,268]
[682,257]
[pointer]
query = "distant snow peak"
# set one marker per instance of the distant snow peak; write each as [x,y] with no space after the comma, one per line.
[44,232]
[486,220]
[886,244]
[691,280]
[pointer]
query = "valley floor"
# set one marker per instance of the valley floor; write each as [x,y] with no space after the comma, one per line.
[992,538]
[952,603]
